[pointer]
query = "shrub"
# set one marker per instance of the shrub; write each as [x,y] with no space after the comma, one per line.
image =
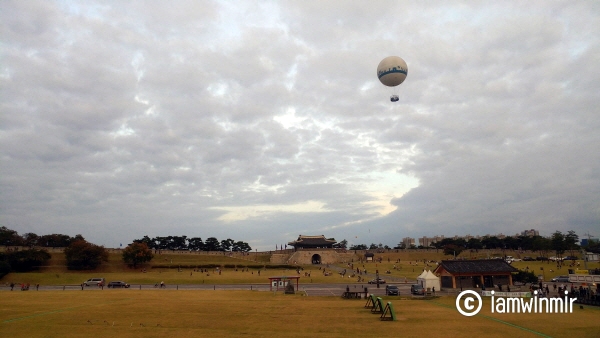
[525,277]
[137,253]
[82,255]
[4,268]
[26,260]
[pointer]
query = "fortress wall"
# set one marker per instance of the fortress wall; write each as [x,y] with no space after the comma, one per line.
[304,257]
[279,258]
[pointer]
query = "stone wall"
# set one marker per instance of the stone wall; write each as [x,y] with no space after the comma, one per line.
[304,257]
[279,258]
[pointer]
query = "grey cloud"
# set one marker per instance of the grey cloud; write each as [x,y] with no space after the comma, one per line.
[154,119]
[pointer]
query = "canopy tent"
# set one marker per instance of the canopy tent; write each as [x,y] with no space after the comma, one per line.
[428,280]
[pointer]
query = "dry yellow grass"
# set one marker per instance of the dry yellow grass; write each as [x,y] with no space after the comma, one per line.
[164,313]
[410,265]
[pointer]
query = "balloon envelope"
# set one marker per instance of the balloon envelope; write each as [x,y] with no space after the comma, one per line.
[392,71]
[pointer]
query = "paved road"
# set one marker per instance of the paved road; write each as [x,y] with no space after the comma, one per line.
[310,289]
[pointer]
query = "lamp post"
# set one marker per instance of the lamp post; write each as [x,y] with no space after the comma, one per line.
[585,258]
[543,272]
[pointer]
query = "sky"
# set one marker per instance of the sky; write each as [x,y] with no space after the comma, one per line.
[263,120]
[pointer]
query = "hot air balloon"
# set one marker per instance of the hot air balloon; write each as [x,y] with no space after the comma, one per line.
[392,71]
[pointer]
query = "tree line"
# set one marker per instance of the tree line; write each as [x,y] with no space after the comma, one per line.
[83,255]
[179,243]
[559,243]
[10,237]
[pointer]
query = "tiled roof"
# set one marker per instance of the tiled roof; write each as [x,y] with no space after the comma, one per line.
[313,240]
[478,266]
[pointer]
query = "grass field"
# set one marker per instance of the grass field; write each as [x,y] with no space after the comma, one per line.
[166,313]
[171,313]
[408,265]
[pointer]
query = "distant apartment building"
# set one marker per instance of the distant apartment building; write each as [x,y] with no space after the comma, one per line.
[408,241]
[429,241]
[466,238]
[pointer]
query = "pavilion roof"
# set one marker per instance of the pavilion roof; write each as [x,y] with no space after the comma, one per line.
[313,240]
[477,266]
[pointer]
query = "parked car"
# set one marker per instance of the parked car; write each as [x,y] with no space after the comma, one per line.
[374,281]
[94,282]
[571,258]
[541,258]
[527,258]
[118,284]
[560,279]
[417,289]
[392,290]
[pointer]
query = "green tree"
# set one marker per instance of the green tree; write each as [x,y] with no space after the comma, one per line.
[9,237]
[30,239]
[163,243]
[358,247]
[525,277]
[179,243]
[474,244]
[137,253]
[25,260]
[571,240]
[543,245]
[400,246]
[58,240]
[82,255]
[4,268]
[452,249]
[241,247]
[149,242]
[212,244]
[227,244]
[593,246]
[491,242]
[195,244]
[558,243]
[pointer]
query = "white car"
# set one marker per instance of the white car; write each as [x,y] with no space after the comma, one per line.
[94,281]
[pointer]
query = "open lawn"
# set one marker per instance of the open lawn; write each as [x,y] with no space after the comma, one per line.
[170,313]
[402,265]
[176,313]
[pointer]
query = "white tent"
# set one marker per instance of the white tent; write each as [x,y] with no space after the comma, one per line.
[429,281]
[421,278]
